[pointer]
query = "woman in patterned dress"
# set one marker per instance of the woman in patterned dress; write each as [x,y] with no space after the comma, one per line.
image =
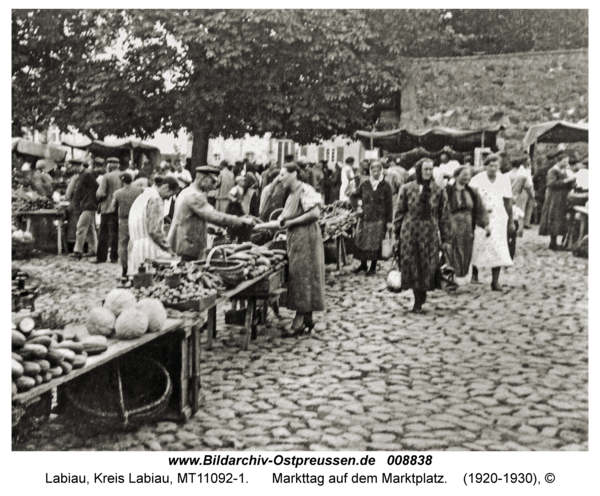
[306,258]
[421,220]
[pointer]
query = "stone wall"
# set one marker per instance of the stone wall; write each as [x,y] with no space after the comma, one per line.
[516,90]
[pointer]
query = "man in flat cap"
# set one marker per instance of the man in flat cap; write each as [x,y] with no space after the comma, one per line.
[109,222]
[187,235]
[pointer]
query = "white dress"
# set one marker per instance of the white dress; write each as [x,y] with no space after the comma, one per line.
[489,252]
[344,186]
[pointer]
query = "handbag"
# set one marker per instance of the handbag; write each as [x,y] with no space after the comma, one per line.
[394,278]
[444,274]
[387,245]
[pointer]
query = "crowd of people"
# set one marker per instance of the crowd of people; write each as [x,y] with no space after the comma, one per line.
[438,210]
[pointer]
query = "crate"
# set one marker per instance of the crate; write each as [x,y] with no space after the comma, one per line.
[194,305]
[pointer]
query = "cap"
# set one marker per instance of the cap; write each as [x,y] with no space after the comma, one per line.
[75,161]
[302,160]
[207,169]
[113,160]
[45,164]
[99,161]
[224,163]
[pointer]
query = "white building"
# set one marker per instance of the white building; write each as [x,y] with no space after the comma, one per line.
[262,150]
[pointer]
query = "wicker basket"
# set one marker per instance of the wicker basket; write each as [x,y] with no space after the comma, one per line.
[134,390]
[22,249]
[231,272]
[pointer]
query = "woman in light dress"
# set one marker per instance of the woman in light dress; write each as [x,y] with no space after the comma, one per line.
[491,252]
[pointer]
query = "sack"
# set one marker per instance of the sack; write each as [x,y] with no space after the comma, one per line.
[394,278]
[387,245]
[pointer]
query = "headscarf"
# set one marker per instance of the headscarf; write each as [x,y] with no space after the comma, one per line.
[376,182]
[425,199]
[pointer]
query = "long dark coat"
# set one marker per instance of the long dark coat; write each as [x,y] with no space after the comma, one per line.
[420,239]
[378,209]
[554,211]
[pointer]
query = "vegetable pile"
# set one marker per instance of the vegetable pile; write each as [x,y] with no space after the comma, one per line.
[256,259]
[338,219]
[38,356]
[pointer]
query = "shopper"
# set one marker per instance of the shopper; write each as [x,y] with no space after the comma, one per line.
[109,222]
[421,220]
[377,208]
[491,251]
[84,198]
[467,211]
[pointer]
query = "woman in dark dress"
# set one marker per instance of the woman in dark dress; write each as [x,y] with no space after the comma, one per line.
[376,196]
[466,210]
[421,218]
[554,211]
[306,258]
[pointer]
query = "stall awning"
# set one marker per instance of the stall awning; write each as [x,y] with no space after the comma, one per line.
[433,140]
[104,149]
[556,132]
[40,150]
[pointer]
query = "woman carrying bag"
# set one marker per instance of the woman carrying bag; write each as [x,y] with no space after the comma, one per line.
[421,220]
[376,221]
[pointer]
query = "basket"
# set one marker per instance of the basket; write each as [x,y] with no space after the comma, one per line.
[277,244]
[136,389]
[231,272]
[22,249]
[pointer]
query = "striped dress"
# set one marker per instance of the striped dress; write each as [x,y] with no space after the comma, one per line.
[146,231]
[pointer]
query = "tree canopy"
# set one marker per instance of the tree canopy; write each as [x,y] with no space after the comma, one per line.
[306,75]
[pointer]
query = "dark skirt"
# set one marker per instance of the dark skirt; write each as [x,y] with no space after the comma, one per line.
[306,284]
[368,239]
[462,242]
[419,254]
[554,213]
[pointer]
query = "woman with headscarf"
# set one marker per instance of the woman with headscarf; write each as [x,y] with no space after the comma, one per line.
[376,196]
[243,200]
[421,220]
[492,251]
[306,258]
[466,212]
[554,211]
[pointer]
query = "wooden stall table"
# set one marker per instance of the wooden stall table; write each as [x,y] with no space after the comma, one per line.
[186,338]
[263,287]
[53,214]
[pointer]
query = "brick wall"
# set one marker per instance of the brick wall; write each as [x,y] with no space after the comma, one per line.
[516,90]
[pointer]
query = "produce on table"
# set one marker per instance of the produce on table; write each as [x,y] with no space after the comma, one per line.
[118,300]
[100,321]
[38,356]
[337,220]
[131,324]
[27,325]
[256,259]
[155,311]
[94,345]
[186,291]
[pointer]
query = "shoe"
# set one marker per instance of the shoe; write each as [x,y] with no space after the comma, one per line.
[417,309]
[89,254]
[497,287]
[371,272]
[75,255]
[309,325]
[360,268]
[293,332]
[97,261]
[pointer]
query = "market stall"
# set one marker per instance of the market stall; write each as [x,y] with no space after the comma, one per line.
[432,140]
[128,151]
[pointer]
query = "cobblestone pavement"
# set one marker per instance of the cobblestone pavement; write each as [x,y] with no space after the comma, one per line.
[479,370]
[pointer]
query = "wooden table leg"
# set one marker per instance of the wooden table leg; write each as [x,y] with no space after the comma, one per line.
[211,327]
[59,240]
[582,223]
[248,324]
[195,382]
[185,375]
[339,252]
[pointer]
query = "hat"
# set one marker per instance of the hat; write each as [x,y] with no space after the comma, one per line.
[207,169]
[224,163]
[26,167]
[99,161]
[302,160]
[75,161]
[113,160]
[45,164]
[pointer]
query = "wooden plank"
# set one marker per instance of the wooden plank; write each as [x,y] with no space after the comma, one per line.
[196,384]
[248,325]
[33,213]
[115,349]
[184,375]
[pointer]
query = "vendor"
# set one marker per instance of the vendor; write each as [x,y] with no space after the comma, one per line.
[187,235]
[146,225]
[41,181]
